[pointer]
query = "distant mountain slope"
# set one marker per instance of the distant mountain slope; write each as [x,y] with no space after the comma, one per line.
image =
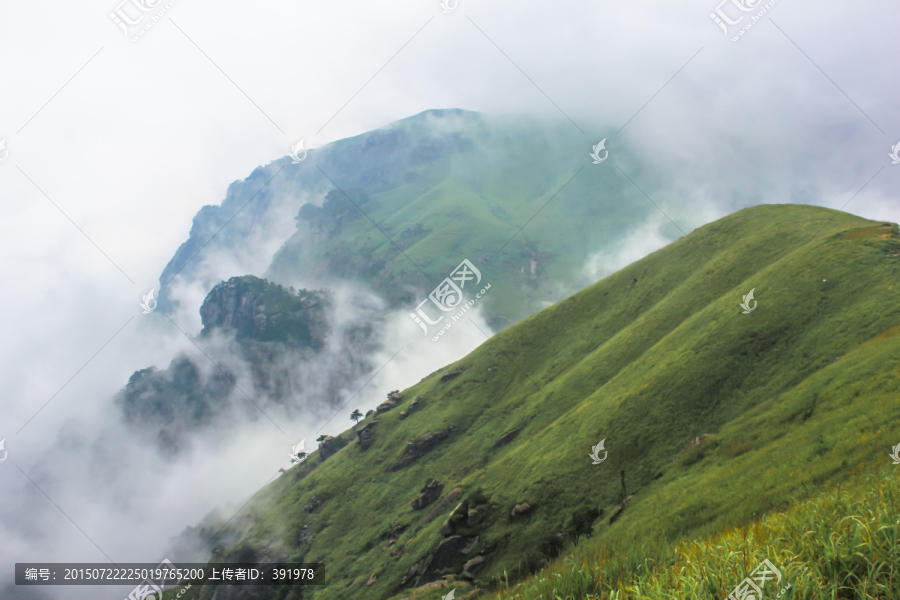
[708,416]
[399,207]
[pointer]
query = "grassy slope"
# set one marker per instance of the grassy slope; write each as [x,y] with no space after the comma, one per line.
[471,202]
[647,358]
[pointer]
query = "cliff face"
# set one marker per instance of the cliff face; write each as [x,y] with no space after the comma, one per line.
[254,309]
[275,330]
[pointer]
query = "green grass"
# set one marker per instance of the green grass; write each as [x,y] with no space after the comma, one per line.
[842,544]
[798,396]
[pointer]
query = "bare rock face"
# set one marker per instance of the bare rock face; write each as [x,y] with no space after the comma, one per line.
[507,437]
[521,509]
[305,536]
[428,494]
[446,556]
[438,508]
[366,435]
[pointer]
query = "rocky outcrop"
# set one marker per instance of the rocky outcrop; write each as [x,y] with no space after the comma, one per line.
[366,435]
[428,494]
[412,407]
[314,503]
[369,412]
[521,509]
[451,375]
[447,556]
[329,446]
[507,437]
[410,574]
[473,565]
[254,308]
[416,449]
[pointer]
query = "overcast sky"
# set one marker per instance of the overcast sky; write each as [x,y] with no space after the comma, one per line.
[113,146]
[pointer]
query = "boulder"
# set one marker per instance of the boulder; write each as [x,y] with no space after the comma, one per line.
[473,517]
[417,448]
[451,375]
[456,517]
[471,546]
[447,555]
[473,565]
[372,579]
[384,407]
[410,574]
[329,446]
[428,494]
[507,437]
[438,508]
[314,503]
[521,509]
[366,434]
[369,412]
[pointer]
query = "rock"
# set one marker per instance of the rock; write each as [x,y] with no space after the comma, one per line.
[521,509]
[438,508]
[447,553]
[507,437]
[471,545]
[417,448]
[473,565]
[369,412]
[384,407]
[305,536]
[692,444]
[456,517]
[329,446]
[372,579]
[366,435]
[403,414]
[415,403]
[474,517]
[451,375]
[395,396]
[428,494]
[314,503]
[449,577]
[395,531]
[410,574]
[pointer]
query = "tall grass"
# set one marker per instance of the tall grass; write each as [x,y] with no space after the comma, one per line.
[831,547]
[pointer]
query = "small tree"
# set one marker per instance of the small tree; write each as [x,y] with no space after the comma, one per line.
[356,415]
[321,438]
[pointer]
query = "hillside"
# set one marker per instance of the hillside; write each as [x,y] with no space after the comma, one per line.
[710,417]
[397,208]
